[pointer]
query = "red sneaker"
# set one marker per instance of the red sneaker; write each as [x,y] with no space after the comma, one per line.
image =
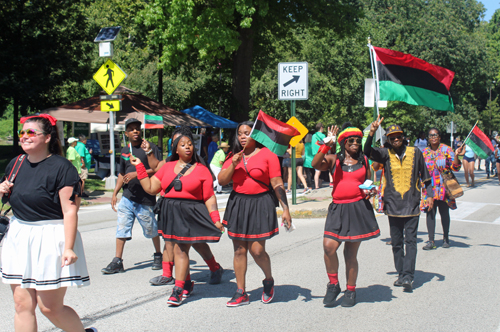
[268,293]
[188,289]
[176,297]
[239,298]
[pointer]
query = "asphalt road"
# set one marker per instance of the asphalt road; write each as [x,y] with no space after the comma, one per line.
[456,289]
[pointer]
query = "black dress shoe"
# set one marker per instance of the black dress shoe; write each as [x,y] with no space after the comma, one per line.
[398,282]
[407,285]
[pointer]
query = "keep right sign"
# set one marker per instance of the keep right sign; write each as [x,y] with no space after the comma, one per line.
[293,81]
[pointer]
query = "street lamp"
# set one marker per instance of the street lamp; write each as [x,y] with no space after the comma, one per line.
[491,85]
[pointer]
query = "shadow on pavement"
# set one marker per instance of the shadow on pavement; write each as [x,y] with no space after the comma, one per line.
[374,293]
[422,277]
[285,293]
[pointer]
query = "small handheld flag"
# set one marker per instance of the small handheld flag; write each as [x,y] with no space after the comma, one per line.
[479,143]
[272,133]
[153,121]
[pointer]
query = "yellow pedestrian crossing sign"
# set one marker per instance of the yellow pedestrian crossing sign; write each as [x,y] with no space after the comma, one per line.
[111,105]
[109,76]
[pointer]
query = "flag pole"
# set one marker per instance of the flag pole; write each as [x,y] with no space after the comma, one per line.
[376,111]
[471,130]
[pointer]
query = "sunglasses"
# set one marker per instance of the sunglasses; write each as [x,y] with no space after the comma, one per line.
[393,138]
[433,135]
[30,132]
[353,140]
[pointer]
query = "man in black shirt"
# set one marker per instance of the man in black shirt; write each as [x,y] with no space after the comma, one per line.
[135,202]
[404,170]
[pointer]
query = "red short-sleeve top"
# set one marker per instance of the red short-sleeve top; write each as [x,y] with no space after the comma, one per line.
[197,185]
[346,184]
[263,166]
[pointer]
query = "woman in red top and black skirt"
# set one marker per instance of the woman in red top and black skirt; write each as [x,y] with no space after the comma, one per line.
[189,200]
[250,215]
[350,215]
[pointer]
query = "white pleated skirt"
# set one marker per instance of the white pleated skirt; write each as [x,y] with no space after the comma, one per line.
[31,256]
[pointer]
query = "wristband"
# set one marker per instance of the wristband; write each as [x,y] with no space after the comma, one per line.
[141,171]
[324,149]
[150,150]
[215,216]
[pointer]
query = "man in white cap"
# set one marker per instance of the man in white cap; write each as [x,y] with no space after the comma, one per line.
[73,156]
[216,164]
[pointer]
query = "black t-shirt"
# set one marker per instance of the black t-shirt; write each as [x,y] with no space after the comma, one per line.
[35,194]
[133,189]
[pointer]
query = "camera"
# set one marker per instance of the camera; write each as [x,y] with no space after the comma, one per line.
[177,185]
[4,226]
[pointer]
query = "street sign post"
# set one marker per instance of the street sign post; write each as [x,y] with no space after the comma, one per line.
[293,84]
[109,76]
[293,81]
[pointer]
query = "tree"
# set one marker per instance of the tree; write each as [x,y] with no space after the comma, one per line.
[191,31]
[43,54]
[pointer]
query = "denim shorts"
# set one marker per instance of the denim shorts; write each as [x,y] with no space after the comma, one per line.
[127,212]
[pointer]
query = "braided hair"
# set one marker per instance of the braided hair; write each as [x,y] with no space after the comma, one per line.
[184,131]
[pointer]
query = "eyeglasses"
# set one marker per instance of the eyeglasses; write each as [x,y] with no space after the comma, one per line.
[353,140]
[30,132]
[433,135]
[393,138]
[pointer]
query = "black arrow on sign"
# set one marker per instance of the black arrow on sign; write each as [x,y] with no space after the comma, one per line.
[295,78]
[110,106]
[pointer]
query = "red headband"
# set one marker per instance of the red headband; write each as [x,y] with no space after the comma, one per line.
[45,116]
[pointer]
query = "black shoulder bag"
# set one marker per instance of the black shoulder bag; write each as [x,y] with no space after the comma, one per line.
[176,184]
[271,190]
[4,220]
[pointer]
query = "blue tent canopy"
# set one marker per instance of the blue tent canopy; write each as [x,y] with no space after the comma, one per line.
[210,118]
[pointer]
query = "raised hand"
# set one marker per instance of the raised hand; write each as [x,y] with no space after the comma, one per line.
[145,145]
[375,124]
[237,158]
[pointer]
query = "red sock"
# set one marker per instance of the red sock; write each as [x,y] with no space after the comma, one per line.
[188,278]
[351,288]
[180,283]
[212,264]
[167,269]
[334,278]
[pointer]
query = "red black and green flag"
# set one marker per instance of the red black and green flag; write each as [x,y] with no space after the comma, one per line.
[273,134]
[153,121]
[404,77]
[479,143]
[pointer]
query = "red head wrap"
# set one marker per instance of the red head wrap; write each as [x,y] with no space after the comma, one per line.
[52,120]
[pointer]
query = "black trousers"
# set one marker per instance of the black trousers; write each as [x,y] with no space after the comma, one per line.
[404,232]
[444,212]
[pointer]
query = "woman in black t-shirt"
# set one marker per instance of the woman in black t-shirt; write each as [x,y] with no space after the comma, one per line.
[43,253]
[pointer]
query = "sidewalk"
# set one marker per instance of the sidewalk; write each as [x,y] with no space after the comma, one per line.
[311,205]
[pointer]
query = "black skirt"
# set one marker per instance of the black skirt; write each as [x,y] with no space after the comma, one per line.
[186,221]
[250,217]
[351,222]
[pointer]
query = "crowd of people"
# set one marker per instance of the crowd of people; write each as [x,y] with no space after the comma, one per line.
[186,213]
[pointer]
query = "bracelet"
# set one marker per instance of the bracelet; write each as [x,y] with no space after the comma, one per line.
[150,150]
[215,216]
[141,171]
[324,149]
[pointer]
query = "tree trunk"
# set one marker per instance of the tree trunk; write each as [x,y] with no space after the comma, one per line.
[15,128]
[242,65]
[160,100]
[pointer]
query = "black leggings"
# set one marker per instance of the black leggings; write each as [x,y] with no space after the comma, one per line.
[444,212]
